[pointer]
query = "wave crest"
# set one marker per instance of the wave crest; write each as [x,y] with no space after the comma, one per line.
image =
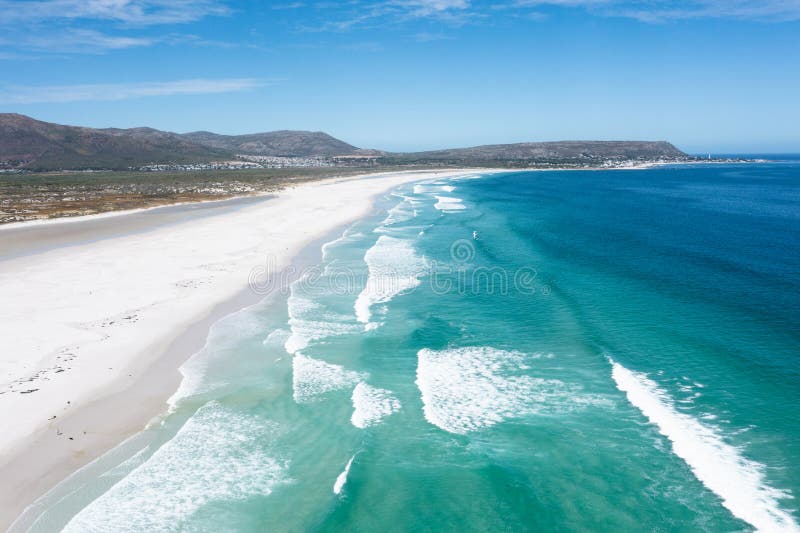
[474,388]
[738,481]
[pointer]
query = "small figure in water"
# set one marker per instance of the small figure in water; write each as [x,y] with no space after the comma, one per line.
[475,235]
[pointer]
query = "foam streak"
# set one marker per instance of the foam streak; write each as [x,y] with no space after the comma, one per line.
[738,481]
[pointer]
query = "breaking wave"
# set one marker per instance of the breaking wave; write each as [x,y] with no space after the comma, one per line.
[738,481]
[474,388]
[218,455]
[312,378]
[394,267]
[341,479]
[371,405]
[309,322]
[449,204]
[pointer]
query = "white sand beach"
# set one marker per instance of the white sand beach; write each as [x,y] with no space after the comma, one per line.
[95,321]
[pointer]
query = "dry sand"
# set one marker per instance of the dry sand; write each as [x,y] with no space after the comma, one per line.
[97,315]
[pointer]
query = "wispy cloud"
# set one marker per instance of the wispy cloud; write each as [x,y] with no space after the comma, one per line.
[665,10]
[290,5]
[123,91]
[134,12]
[358,13]
[81,40]
[96,26]
[86,41]
[562,3]
[370,14]
[47,27]
[427,8]
[764,10]
[373,14]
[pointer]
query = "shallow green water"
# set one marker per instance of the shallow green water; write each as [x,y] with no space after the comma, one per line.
[548,351]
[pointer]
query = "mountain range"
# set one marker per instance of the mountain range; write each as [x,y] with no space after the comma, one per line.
[29,144]
[275,143]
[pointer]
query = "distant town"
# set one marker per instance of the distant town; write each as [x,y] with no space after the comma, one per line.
[244,161]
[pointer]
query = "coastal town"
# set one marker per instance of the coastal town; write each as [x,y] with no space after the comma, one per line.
[245,161]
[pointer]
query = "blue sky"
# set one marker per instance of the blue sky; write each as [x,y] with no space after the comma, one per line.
[708,75]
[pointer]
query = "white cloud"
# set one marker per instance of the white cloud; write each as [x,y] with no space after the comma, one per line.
[376,14]
[427,8]
[135,12]
[94,26]
[663,10]
[372,14]
[764,10]
[564,3]
[81,41]
[122,91]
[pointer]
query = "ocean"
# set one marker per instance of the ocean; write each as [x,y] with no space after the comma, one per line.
[524,351]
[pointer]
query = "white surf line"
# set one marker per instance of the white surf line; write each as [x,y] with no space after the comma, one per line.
[312,378]
[371,405]
[341,479]
[449,204]
[393,268]
[738,481]
[218,455]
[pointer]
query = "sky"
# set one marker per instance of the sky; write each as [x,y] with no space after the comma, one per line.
[719,76]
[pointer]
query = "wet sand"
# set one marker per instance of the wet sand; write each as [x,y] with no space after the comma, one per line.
[96,316]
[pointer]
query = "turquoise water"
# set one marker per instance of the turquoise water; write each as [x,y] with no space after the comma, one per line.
[540,351]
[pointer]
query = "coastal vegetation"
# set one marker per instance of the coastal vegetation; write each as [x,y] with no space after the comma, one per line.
[51,170]
[28,145]
[36,195]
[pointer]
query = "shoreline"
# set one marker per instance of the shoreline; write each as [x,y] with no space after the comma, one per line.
[31,238]
[39,222]
[45,221]
[162,380]
[58,436]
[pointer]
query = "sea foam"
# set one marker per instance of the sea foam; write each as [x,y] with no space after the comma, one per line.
[277,337]
[371,405]
[348,236]
[394,267]
[218,455]
[721,467]
[223,336]
[341,479]
[426,188]
[449,204]
[473,388]
[312,378]
[309,322]
[402,212]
